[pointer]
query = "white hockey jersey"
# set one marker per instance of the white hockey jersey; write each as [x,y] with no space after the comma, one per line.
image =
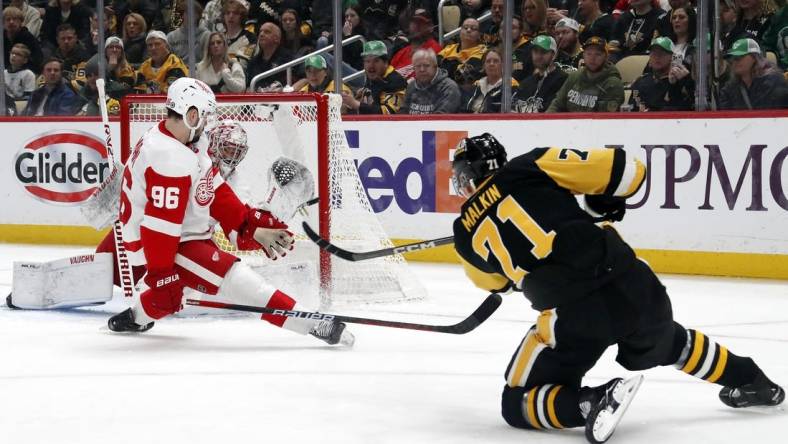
[169,194]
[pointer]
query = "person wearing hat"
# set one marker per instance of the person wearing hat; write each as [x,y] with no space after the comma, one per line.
[384,88]
[54,97]
[597,86]
[431,91]
[570,52]
[88,91]
[538,90]
[420,37]
[755,82]
[667,87]
[120,76]
[318,79]
[158,71]
[635,28]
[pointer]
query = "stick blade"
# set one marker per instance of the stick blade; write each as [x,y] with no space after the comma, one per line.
[326,245]
[481,314]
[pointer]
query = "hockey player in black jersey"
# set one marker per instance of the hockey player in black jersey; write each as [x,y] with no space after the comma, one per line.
[522,229]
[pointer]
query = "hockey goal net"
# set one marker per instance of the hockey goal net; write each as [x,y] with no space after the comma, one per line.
[306,128]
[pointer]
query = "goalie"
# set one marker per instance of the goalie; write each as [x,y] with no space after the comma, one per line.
[170,192]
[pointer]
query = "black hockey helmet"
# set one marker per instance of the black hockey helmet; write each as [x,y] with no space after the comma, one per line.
[475,159]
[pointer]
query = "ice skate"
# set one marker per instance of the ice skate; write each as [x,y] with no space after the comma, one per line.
[124,322]
[761,392]
[607,413]
[333,333]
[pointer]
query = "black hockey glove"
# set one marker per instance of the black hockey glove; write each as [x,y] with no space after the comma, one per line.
[609,208]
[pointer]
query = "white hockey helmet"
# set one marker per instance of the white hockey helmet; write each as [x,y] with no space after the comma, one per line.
[186,93]
[227,145]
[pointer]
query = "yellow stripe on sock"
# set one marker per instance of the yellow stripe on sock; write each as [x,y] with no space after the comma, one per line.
[551,407]
[720,368]
[697,350]
[532,408]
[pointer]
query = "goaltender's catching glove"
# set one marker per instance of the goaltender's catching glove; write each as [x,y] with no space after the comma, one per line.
[262,231]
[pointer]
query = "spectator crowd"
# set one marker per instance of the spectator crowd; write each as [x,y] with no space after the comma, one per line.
[567,55]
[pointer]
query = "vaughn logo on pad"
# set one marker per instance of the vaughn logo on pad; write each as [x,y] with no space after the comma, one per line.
[62,166]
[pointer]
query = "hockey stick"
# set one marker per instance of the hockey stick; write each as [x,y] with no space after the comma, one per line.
[124,268]
[364,255]
[487,308]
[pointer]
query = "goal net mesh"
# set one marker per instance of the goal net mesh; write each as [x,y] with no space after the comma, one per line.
[288,125]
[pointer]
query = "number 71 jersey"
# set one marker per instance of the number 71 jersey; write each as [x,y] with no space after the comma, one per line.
[166,195]
[508,225]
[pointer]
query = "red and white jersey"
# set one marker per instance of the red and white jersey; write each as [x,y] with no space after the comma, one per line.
[170,193]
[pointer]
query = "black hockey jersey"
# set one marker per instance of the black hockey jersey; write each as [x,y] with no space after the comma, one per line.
[507,227]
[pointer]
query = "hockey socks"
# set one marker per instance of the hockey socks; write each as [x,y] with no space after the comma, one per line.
[705,359]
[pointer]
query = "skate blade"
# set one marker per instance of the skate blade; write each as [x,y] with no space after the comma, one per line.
[596,433]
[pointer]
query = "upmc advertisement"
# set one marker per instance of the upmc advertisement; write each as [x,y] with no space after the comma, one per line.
[714,185]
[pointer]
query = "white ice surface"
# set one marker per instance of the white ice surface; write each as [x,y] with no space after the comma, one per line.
[234,379]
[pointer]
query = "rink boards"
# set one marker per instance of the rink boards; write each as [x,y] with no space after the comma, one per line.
[715,200]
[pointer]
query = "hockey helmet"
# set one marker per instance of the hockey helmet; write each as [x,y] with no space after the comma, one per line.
[186,93]
[227,145]
[475,159]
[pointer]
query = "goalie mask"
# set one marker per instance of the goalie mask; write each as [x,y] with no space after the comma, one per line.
[227,146]
[475,159]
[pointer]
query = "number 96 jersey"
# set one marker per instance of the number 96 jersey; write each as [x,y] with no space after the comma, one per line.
[166,197]
[507,227]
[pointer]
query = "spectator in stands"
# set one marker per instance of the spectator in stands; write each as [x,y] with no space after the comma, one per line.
[491,29]
[473,8]
[755,82]
[351,53]
[91,44]
[54,97]
[297,34]
[463,61]
[668,86]
[65,11]
[521,50]
[776,38]
[538,90]
[752,21]
[269,55]
[384,89]
[486,97]
[570,52]
[19,79]
[89,93]
[665,22]
[178,39]
[318,79]
[381,17]
[157,73]
[431,91]
[683,22]
[241,42]
[597,86]
[595,21]
[323,21]
[218,70]
[151,10]
[69,50]
[213,15]
[420,36]
[728,14]
[32,16]
[121,76]
[534,17]
[635,29]
[270,11]
[15,33]
[134,32]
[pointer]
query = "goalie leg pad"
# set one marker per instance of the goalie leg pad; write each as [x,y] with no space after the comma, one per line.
[71,282]
[243,286]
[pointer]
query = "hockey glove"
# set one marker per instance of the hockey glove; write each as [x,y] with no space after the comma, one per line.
[163,297]
[262,231]
[609,208]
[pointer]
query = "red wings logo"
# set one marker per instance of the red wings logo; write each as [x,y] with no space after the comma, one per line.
[203,193]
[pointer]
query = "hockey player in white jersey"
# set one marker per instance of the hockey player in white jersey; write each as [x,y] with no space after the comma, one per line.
[169,194]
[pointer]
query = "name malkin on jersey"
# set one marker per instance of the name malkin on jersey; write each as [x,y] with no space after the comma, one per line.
[480,203]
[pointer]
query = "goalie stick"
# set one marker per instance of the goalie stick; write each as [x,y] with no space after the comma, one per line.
[484,311]
[364,255]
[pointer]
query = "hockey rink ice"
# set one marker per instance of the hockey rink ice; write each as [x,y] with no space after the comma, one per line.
[230,378]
